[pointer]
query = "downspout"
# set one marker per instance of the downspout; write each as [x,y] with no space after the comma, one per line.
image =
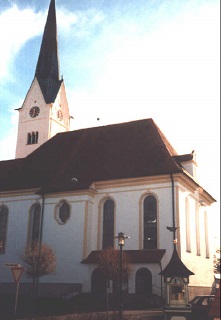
[40,240]
[173,212]
[41,225]
[161,281]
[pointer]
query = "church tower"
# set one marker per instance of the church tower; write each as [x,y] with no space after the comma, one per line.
[45,111]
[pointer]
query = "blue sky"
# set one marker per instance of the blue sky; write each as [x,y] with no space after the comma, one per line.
[121,61]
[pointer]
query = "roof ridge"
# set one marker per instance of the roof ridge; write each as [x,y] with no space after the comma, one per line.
[172,151]
[111,124]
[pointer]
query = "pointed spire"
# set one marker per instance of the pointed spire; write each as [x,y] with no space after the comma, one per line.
[47,70]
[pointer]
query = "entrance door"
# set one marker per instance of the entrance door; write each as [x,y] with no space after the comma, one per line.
[98,282]
[143,281]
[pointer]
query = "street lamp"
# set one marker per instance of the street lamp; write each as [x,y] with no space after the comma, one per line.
[121,241]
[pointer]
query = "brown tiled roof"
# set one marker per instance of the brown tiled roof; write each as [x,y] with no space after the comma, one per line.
[126,150]
[184,157]
[134,256]
[176,267]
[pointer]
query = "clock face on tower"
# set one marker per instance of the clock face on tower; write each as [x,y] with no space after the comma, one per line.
[34,111]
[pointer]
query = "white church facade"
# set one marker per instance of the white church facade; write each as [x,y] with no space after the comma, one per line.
[75,190]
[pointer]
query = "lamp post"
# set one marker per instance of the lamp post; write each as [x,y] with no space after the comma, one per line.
[121,241]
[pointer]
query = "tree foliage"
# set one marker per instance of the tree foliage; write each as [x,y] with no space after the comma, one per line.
[109,263]
[39,261]
[216,262]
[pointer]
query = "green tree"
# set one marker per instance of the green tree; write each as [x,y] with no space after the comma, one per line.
[39,261]
[216,261]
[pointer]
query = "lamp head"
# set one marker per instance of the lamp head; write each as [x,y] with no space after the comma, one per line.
[121,239]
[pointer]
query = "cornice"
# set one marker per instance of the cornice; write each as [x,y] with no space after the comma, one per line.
[193,186]
[179,178]
[130,182]
[86,192]
[17,193]
[186,181]
[205,196]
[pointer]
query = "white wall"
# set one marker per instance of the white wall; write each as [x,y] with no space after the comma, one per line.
[74,240]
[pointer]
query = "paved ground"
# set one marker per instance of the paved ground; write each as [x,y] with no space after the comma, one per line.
[144,314]
[127,315]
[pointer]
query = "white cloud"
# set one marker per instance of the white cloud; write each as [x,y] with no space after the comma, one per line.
[79,23]
[8,144]
[166,68]
[169,73]
[16,28]
[164,65]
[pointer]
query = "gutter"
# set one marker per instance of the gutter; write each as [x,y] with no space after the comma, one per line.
[42,218]
[173,210]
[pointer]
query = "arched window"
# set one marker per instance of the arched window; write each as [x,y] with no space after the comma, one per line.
[206,235]
[197,219]
[3,228]
[143,281]
[36,137]
[150,222]
[29,138]
[62,212]
[33,138]
[34,225]
[108,224]
[188,238]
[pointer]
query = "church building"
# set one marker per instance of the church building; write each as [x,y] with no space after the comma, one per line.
[76,190]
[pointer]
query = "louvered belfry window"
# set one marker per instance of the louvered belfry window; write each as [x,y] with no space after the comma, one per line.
[32,138]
